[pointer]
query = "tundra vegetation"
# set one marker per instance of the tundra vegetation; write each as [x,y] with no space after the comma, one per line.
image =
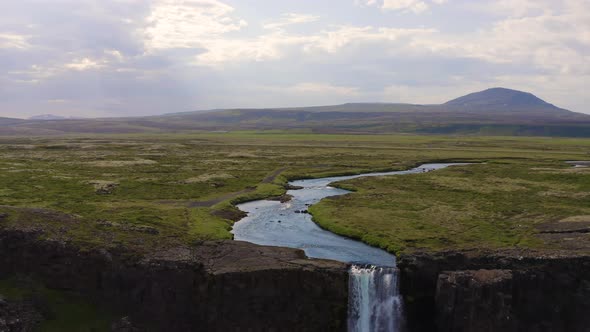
[147,192]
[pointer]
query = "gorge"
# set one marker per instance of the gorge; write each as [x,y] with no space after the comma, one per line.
[374,300]
[228,285]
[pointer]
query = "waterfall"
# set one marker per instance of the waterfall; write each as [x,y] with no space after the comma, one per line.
[374,302]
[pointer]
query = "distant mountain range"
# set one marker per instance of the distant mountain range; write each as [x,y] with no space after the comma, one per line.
[496,111]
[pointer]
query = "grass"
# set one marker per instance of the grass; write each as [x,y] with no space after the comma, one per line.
[146,192]
[150,190]
[204,226]
[493,205]
[63,311]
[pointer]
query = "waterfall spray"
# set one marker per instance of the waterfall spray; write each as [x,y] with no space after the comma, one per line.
[374,302]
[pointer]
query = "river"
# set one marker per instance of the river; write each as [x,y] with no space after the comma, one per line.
[374,300]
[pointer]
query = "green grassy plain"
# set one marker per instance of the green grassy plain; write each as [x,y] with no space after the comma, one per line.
[494,205]
[147,191]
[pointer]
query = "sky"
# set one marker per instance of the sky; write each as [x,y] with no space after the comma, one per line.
[104,58]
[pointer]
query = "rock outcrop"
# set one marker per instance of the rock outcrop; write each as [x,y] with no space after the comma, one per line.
[18,316]
[475,301]
[214,286]
[497,291]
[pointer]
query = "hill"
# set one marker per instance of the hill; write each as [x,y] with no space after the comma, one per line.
[47,117]
[500,98]
[496,111]
[9,121]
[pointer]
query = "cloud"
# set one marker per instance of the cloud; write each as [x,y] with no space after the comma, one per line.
[520,8]
[324,88]
[83,64]
[290,19]
[131,57]
[10,40]
[414,6]
[279,44]
[557,41]
[404,6]
[189,23]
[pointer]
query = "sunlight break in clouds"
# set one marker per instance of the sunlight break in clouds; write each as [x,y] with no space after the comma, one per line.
[189,23]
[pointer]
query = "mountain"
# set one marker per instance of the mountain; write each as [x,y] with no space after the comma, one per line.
[496,111]
[501,99]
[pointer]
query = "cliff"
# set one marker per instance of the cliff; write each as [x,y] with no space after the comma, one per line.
[497,291]
[214,286]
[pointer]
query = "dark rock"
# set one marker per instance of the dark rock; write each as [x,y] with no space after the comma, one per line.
[107,223]
[475,301]
[283,198]
[291,187]
[18,316]
[230,214]
[143,229]
[215,286]
[507,290]
[124,325]
[42,306]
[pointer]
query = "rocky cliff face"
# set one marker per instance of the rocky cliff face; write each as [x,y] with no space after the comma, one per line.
[474,300]
[501,291]
[18,316]
[216,286]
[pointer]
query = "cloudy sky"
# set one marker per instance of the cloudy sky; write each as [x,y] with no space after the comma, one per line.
[137,57]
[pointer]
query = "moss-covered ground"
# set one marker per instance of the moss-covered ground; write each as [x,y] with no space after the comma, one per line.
[499,204]
[60,310]
[148,191]
[145,191]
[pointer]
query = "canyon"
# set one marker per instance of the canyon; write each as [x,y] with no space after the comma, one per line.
[231,285]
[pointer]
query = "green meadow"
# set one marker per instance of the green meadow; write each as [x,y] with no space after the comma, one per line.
[148,191]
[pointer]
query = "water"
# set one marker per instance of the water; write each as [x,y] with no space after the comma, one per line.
[374,300]
[579,163]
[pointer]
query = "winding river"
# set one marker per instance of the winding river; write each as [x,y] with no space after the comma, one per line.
[374,300]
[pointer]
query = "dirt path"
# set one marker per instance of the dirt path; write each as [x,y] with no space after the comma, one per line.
[269,179]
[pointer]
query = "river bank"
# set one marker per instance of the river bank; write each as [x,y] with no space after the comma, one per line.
[374,303]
